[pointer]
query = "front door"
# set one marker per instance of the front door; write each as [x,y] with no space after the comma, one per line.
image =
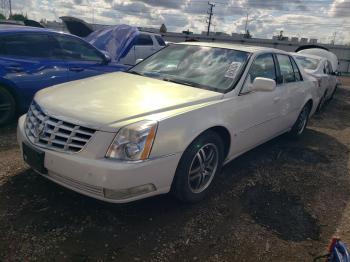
[82,59]
[256,116]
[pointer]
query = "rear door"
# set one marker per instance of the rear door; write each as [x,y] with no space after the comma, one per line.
[82,59]
[27,60]
[291,81]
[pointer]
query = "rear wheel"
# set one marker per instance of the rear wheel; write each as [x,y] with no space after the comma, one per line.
[201,161]
[301,123]
[7,106]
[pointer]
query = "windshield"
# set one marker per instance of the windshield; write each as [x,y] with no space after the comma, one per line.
[307,62]
[198,66]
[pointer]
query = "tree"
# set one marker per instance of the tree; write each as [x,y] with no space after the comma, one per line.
[18,17]
[163,29]
[2,17]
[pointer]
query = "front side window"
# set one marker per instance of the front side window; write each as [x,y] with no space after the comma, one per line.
[286,68]
[26,46]
[144,39]
[204,67]
[263,66]
[74,49]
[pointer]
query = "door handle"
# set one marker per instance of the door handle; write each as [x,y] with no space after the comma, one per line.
[76,69]
[276,99]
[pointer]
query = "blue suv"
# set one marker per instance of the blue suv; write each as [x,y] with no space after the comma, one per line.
[34,58]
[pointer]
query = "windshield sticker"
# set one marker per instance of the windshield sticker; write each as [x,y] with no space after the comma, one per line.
[233,69]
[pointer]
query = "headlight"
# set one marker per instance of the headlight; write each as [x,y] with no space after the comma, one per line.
[133,142]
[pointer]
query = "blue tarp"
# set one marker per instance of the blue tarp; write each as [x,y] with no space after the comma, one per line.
[116,40]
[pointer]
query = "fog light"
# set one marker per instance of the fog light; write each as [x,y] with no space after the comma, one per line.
[129,192]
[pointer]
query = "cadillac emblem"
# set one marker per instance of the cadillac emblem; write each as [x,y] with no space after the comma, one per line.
[39,129]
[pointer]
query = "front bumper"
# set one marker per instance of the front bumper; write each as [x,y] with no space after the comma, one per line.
[89,173]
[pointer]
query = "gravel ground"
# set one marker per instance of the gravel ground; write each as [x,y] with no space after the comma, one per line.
[282,201]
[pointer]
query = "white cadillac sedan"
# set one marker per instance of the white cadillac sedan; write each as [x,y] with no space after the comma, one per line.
[167,125]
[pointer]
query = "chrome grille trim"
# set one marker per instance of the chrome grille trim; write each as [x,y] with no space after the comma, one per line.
[52,133]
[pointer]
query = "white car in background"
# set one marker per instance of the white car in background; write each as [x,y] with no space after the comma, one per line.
[168,124]
[320,68]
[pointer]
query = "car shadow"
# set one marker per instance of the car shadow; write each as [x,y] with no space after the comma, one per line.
[335,113]
[286,187]
[292,186]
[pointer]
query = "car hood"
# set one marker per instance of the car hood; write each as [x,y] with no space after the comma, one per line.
[111,98]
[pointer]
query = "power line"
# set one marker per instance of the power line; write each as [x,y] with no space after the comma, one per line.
[210,12]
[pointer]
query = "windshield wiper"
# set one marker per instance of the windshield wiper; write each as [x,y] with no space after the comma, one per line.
[134,73]
[182,82]
[190,83]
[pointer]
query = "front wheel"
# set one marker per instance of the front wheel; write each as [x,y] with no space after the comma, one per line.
[301,123]
[201,161]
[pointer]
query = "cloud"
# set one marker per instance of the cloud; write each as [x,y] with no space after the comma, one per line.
[266,18]
[340,8]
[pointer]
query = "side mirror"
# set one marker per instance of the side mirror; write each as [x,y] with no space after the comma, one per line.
[263,84]
[107,58]
[139,60]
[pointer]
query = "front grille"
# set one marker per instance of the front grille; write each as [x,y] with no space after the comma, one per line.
[53,133]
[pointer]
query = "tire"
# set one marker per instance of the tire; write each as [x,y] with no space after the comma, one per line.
[301,123]
[193,181]
[7,107]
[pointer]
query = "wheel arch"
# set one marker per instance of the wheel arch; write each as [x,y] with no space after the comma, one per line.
[222,132]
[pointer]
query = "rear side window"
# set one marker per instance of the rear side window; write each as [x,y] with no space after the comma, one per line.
[160,40]
[144,39]
[75,49]
[27,46]
[296,70]
[286,68]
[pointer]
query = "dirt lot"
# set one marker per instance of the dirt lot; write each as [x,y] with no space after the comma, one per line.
[280,202]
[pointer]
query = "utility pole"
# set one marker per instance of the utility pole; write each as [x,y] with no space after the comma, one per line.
[334,36]
[210,12]
[10,8]
[246,24]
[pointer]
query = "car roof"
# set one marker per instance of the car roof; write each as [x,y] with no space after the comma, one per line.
[245,48]
[307,55]
[22,29]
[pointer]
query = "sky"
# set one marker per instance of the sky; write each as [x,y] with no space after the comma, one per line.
[320,19]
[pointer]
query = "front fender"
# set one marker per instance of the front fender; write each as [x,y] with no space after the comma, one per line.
[176,133]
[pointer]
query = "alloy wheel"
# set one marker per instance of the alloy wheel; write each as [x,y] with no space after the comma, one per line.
[203,168]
